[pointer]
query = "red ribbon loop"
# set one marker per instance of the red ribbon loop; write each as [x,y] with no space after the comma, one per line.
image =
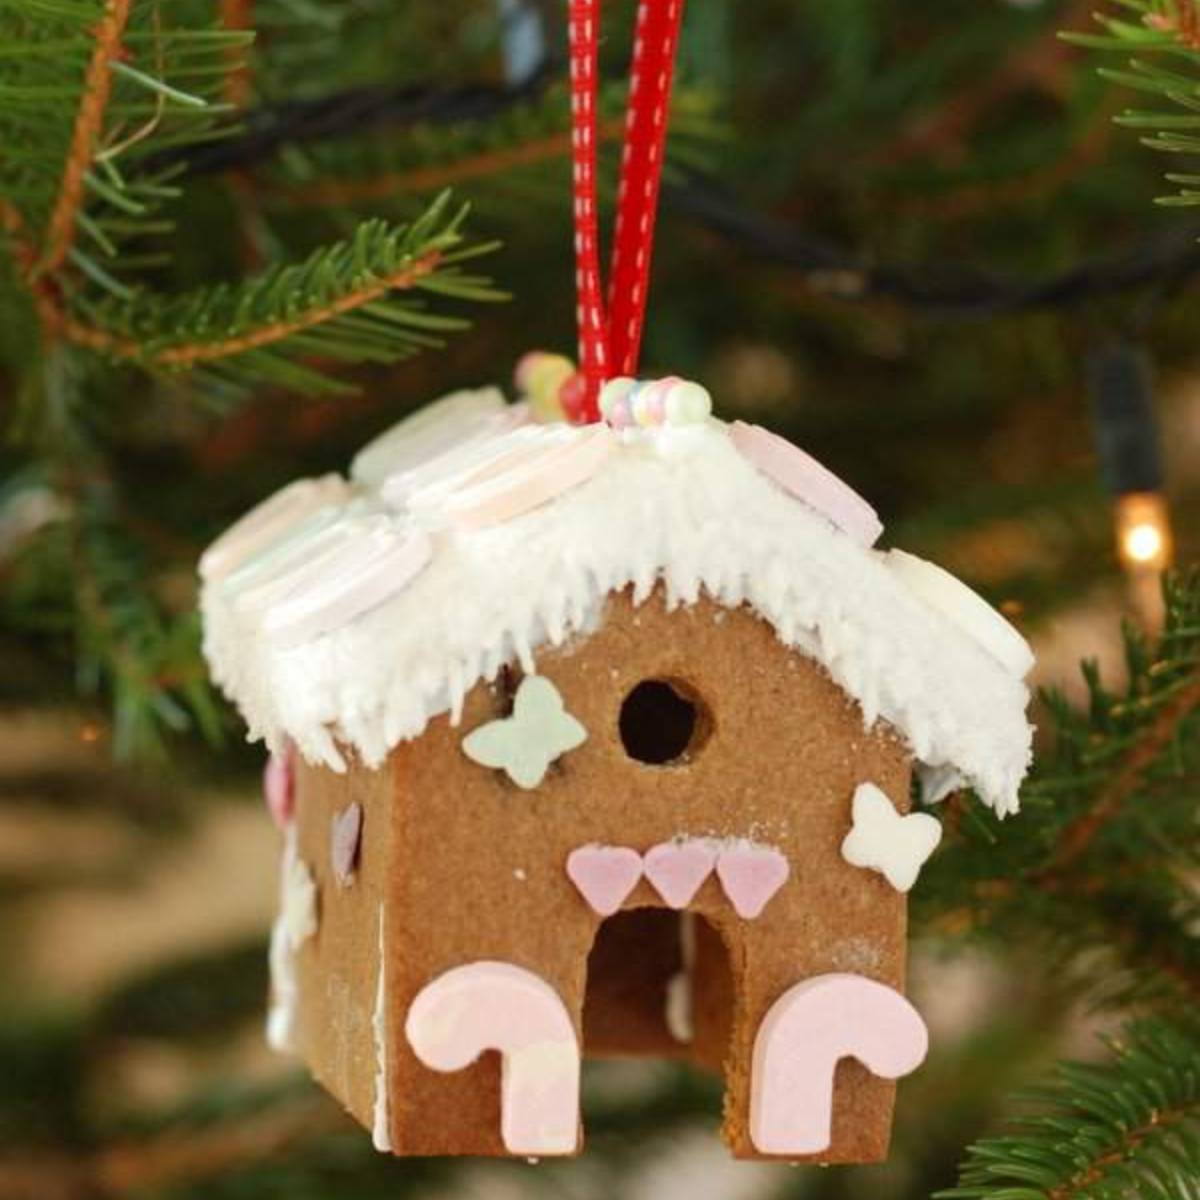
[610,337]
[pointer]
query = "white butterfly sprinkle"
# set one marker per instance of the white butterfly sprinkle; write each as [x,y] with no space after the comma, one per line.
[894,844]
[525,744]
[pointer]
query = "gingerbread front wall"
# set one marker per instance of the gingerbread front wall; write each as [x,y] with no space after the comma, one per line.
[467,866]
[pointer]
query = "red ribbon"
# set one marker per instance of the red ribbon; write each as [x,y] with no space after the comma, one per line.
[610,335]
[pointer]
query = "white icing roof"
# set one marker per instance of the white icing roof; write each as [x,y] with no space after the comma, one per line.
[678,505]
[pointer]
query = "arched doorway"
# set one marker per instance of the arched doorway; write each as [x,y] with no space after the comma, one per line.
[659,985]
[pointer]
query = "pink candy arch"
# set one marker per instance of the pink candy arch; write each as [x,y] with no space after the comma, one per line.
[498,1006]
[804,1035]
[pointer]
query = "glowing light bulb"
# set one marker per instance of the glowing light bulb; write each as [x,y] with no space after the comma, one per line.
[1143,531]
[1143,543]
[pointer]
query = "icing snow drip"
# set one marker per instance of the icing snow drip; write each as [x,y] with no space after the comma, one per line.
[380,1131]
[579,513]
[285,991]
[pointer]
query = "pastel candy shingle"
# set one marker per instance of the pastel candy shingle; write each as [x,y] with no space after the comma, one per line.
[448,421]
[803,477]
[269,520]
[965,608]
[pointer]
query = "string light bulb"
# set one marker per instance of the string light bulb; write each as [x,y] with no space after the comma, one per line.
[1143,529]
[1128,447]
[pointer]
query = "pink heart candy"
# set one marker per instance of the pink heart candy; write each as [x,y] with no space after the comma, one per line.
[279,787]
[345,837]
[604,875]
[751,875]
[677,869]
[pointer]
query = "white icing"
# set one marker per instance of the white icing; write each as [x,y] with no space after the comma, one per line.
[285,990]
[895,844]
[380,1125]
[299,901]
[673,505]
[938,782]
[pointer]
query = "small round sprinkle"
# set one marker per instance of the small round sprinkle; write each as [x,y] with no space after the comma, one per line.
[572,393]
[688,403]
[614,393]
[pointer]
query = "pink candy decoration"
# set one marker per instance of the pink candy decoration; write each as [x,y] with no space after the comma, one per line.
[604,875]
[498,1006]
[345,843]
[269,521]
[534,472]
[279,788]
[804,1035]
[751,875]
[802,476]
[351,579]
[677,869]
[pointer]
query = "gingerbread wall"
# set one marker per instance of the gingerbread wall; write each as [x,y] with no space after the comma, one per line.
[478,864]
[338,967]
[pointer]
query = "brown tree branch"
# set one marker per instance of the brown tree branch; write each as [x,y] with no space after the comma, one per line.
[189,354]
[1154,740]
[239,15]
[434,178]
[89,120]
[1132,1139]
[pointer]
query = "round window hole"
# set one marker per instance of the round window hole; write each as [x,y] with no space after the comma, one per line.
[661,722]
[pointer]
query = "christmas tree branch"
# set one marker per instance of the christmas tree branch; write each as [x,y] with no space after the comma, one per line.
[189,354]
[89,122]
[1129,1126]
[435,177]
[1042,63]
[238,14]
[1153,741]
[1099,858]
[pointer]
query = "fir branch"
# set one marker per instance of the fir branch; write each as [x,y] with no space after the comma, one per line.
[126,645]
[239,15]
[1100,856]
[97,86]
[343,303]
[1153,741]
[484,164]
[1129,1126]
[189,353]
[1170,30]
[378,165]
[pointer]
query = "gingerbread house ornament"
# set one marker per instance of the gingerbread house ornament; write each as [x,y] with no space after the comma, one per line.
[599,740]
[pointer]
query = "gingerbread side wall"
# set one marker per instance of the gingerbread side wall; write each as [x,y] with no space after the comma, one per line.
[338,968]
[479,864]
